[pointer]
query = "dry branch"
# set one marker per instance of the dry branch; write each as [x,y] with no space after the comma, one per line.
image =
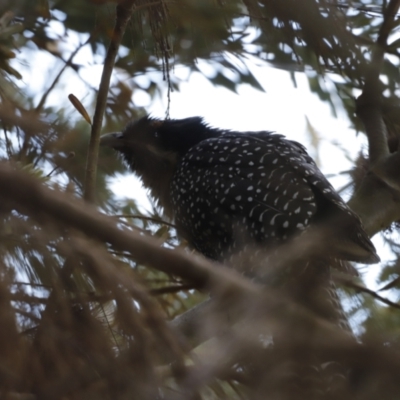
[123,15]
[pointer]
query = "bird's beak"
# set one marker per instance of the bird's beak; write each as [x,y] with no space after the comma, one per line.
[113,140]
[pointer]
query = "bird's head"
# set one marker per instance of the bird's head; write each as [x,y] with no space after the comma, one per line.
[152,148]
[140,145]
[143,150]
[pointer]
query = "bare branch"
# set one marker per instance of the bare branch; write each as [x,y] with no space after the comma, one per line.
[145,218]
[354,285]
[67,63]
[123,15]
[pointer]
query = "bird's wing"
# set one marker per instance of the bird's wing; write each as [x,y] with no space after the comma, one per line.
[253,182]
[268,185]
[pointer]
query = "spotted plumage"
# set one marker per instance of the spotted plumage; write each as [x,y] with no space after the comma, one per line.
[236,187]
[227,189]
[234,195]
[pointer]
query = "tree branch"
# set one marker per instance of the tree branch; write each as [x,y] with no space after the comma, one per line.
[43,202]
[377,201]
[123,15]
[353,285]
[67,63]
[368,105]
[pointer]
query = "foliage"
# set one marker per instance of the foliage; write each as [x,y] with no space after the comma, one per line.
[83,322]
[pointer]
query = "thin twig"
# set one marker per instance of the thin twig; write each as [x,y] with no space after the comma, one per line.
[123,15]
[351,284]
[111,330]
[68,62]
[151,219]
[365,10]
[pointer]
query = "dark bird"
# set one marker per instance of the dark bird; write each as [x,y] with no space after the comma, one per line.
[229,191]
[233,191]
[225,189]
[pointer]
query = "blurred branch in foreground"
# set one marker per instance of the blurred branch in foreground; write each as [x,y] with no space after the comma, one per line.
[94,344]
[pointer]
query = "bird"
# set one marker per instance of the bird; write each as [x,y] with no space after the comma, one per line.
[231,194]
[229,191]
